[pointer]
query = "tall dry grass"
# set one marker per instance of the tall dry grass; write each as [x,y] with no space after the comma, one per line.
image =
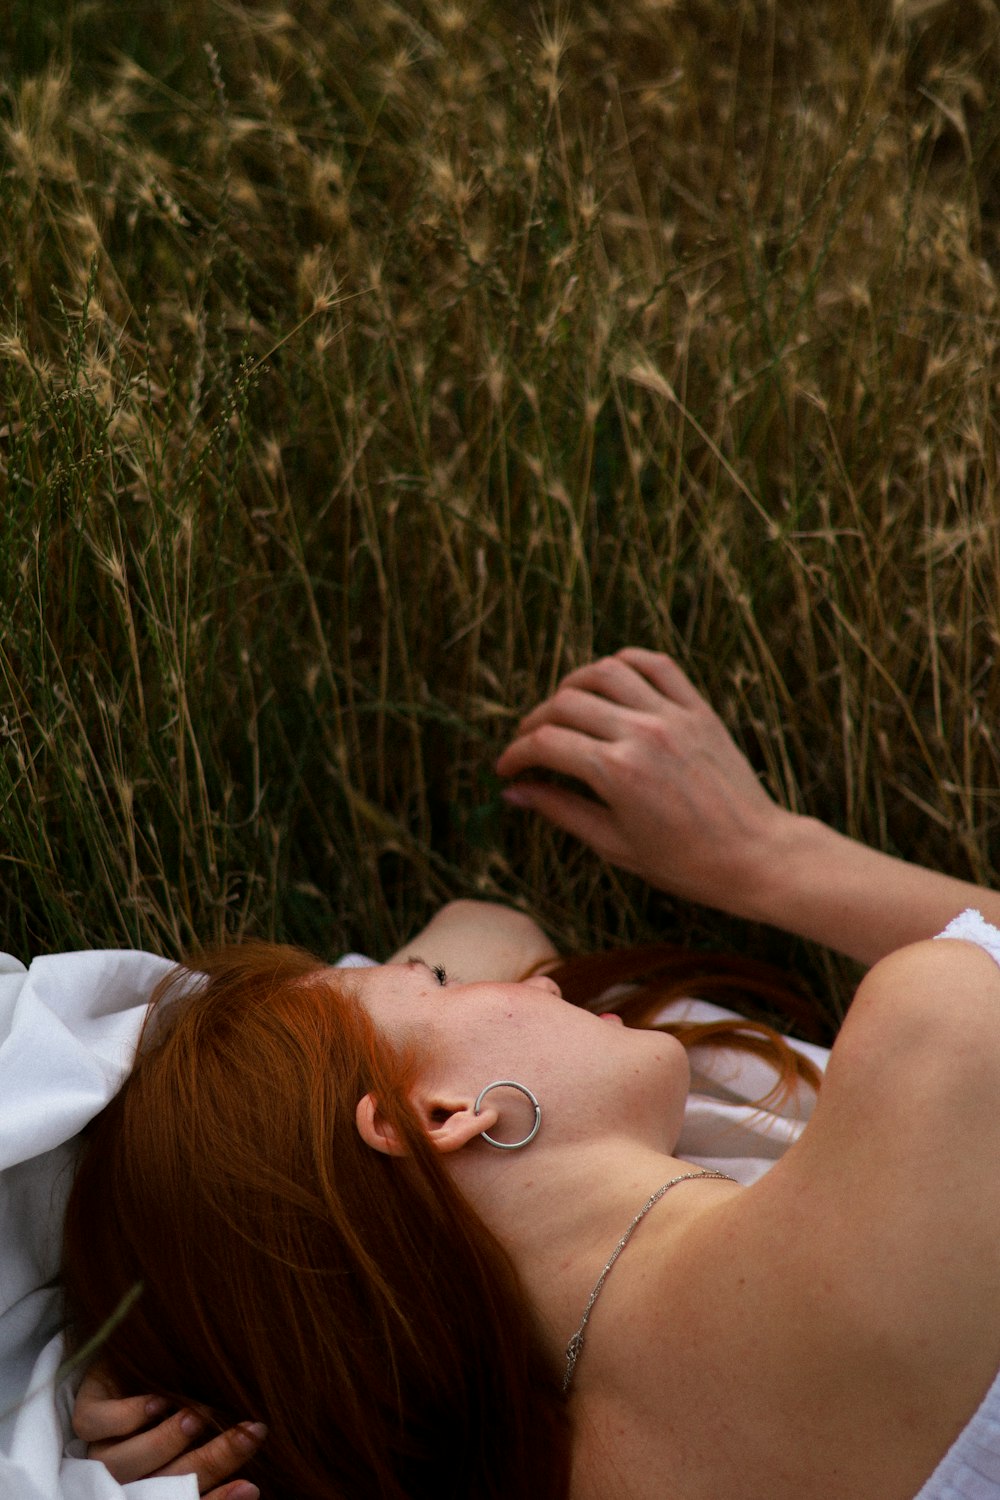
[366,366]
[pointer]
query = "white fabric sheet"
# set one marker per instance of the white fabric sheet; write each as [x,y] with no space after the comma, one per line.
[68,1028]
[725,1129]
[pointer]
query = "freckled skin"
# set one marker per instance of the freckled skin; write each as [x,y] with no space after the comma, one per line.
[575,1062]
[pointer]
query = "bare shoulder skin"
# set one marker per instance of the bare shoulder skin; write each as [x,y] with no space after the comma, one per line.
[829,1331]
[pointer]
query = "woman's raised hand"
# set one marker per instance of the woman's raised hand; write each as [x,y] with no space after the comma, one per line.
[679,804]
[117,1431]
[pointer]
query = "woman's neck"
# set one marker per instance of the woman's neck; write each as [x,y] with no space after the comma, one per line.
[561,1213]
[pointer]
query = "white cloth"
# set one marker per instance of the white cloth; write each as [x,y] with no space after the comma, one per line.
[970,1470]
[68,1029]
[970,926]
[356,961]
[725,1129]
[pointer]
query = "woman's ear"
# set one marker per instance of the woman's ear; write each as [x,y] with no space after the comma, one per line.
[453,1124]
[375,1130]
[448,1124]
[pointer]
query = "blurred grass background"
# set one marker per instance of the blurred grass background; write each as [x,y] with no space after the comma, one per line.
[366,366]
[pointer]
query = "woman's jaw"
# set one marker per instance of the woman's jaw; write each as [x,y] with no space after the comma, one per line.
[594,1078]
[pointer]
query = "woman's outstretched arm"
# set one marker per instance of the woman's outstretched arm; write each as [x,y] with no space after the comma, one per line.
[680,805]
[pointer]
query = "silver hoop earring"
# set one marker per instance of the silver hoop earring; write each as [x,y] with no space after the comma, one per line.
[508,1083]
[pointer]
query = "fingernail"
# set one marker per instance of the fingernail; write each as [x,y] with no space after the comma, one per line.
[251,1434]
[192,1424]
[243,1490]
[156,1406]
[515,796]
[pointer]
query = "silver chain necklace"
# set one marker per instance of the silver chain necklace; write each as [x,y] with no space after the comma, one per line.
[576,1342]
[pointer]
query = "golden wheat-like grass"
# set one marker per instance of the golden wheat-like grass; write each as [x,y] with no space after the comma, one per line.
[368,366]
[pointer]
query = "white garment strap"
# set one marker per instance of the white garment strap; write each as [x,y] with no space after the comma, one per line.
[970,926]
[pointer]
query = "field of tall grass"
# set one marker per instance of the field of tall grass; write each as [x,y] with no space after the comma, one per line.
[366,365]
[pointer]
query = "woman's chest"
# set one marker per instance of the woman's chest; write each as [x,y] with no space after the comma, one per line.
[741,1451]
[765,1377]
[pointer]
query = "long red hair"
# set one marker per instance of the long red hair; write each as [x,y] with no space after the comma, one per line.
[352,1301]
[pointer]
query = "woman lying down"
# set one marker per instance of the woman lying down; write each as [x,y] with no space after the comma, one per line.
[441,1232]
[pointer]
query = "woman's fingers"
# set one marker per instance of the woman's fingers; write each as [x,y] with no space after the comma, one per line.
[146,1453]
[576,708]
[595,707]
[663,673]
[238,1489]
[117,1430]
[592,697]
[600,700]
[572,752]
[101,1412]
[221,1457]
[679,802]
[614,678]
[166,1449]
[636,678]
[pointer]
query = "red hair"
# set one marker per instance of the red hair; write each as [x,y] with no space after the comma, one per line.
[661,972]
[351,1300]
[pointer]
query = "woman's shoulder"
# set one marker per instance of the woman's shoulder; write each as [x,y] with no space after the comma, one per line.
[880,1227]
[859,1280]
[924,1023]
[896,1171]
[908,1105]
